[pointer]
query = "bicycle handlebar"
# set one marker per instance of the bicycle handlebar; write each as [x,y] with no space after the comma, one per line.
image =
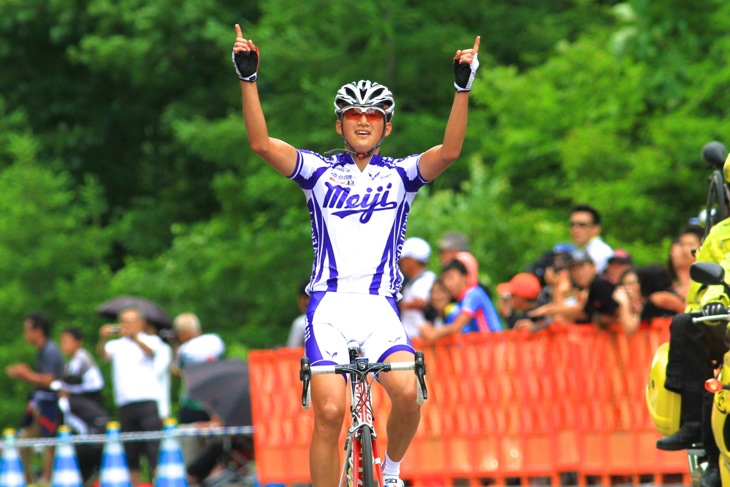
[362,369]
[698,317]
[374,367]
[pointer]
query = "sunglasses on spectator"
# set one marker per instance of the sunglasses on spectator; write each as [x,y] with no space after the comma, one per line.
[581,224]
[372,114]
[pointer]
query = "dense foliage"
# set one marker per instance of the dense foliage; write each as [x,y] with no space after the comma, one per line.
[125,167]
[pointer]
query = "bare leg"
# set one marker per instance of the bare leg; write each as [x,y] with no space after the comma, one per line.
[134,477]
[48,457]
[26,458]
[405,413]
[26,454]
[328,402]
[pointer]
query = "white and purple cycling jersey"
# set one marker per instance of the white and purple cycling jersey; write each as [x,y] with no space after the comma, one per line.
[358,220]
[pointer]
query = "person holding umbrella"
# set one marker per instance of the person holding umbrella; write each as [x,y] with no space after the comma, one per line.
[135,384]
[158,323]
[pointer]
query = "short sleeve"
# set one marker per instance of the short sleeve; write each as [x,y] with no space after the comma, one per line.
[111,347]
[309,167]
[469,304]
[408,168]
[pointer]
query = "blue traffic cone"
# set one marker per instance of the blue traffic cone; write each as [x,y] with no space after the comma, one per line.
[171,466]
[65,465]
[11,468]
[114,471]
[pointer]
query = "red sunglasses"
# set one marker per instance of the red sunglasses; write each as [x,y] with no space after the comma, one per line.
[372,114]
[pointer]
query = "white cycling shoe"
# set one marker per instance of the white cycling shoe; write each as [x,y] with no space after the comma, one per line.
[392,481]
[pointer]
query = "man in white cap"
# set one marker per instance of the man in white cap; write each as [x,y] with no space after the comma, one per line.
[413,262]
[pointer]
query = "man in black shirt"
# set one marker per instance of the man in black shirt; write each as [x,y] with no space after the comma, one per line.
[42,411]
[600,308]
[597,306]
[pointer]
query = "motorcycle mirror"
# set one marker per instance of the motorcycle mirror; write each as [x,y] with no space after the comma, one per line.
[707,273]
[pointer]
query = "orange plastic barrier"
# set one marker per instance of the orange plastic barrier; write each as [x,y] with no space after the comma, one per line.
[565,401]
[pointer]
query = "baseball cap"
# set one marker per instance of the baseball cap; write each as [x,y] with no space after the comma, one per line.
[580,257]
[524,285]
[620,256]
[563,248]
[416,248]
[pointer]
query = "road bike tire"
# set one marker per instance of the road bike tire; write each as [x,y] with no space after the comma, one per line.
[717,202]
[366,457]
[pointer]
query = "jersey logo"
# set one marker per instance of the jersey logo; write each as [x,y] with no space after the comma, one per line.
[373,200]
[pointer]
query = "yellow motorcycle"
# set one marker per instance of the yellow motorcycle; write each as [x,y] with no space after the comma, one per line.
[714,274]
[665,406]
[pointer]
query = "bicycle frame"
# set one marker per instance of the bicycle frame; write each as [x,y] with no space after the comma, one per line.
[362,455]
[361,410]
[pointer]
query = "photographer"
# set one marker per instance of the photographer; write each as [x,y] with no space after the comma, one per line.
[134,356]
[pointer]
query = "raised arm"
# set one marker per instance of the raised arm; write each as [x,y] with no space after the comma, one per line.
[437,159]
[280,155]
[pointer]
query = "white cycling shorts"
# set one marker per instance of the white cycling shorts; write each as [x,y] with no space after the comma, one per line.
[336,319]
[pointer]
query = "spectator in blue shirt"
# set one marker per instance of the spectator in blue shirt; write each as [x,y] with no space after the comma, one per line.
[476,311]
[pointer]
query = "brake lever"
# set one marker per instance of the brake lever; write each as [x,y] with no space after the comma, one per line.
[305,375]
[420,369]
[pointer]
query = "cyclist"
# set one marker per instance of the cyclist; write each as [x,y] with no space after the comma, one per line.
[358,202]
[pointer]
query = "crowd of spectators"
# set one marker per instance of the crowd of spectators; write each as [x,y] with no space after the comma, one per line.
[584,282]
[142,362]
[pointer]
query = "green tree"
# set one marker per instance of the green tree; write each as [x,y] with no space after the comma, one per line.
[52,248]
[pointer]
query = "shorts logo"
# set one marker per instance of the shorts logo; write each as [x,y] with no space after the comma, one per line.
[372,201]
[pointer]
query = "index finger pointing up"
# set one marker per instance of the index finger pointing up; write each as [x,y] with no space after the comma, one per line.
[476,44]
[238,31]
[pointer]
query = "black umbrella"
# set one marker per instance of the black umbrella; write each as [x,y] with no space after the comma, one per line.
[151,312]
[223,388]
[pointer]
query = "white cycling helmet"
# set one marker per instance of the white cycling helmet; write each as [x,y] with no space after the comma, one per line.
[365,93]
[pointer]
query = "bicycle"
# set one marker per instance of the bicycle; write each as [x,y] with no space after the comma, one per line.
[361,466]
[718,194]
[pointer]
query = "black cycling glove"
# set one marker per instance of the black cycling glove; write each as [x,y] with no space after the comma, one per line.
[247,64]
[714,308]
[464,74]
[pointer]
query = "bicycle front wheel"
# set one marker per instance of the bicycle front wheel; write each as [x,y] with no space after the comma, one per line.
[717,209]
[367,462]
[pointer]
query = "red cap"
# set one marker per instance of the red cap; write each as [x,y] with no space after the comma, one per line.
[524,285]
